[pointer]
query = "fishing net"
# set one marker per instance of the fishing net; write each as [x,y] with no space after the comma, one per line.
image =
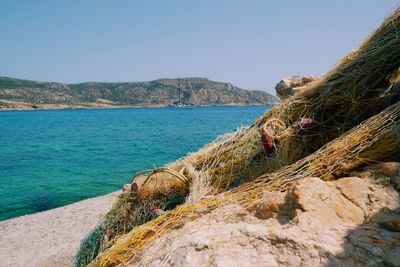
[363,84]
[375,139]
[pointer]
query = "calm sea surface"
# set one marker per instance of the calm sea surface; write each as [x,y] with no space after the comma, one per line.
[53,158]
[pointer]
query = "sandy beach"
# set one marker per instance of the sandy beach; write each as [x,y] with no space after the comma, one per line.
[50,238]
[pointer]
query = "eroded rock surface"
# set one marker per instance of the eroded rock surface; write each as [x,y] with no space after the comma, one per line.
[288,86]
[353,221]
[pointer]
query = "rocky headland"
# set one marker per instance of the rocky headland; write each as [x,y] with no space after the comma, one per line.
[16,94]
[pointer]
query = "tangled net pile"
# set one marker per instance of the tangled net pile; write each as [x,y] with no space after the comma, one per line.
[349,117]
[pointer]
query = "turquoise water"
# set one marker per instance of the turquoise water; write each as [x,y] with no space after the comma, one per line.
[53,158]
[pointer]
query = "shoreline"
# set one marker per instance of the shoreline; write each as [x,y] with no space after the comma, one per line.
[52,237]
[78,107]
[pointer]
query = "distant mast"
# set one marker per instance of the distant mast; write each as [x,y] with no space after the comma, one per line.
[184,94]
[192,95]
[180,92]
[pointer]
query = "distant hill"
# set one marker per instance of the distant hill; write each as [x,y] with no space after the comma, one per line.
[25,94]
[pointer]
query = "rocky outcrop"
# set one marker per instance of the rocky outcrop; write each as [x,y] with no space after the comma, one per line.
[288,86]
[352,221]
[24,94]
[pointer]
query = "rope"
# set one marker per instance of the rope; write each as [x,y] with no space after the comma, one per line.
[151,172]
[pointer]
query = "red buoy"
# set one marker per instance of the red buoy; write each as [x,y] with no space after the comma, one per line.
[307,125]
[268,139]
[136,186]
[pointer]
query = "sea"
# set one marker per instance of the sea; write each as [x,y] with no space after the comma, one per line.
[51,158]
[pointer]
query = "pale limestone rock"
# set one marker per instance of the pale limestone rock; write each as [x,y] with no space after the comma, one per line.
[323,205]
[347,222]
[268,206]
[388,219]
[382,173]
[288,86]
[392,169]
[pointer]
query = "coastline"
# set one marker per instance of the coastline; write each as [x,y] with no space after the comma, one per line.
[52,237]
[79,106]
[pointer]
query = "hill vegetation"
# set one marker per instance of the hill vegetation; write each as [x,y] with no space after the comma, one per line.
[25,94]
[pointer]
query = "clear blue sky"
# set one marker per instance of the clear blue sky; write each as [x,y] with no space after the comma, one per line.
[252,44]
